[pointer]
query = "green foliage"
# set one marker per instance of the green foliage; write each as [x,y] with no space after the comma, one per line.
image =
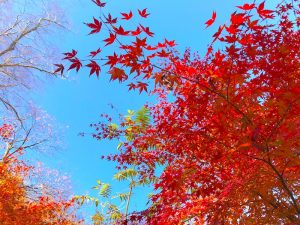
[143,117]
[105,190]
[135,122]
[123,196]
[114,212]
[125,174]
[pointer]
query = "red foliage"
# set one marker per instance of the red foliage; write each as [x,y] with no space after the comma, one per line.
[95,26]
[211,20]
[228,142]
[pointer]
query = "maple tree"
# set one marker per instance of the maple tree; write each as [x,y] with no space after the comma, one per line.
[228,141]
[25,197]
[21,203]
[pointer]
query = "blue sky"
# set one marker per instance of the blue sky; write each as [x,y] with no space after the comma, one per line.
[78,101]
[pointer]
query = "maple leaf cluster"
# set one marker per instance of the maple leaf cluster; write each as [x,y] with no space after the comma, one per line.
[135,58]
[228,142]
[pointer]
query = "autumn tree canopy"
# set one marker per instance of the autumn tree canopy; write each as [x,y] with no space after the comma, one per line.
[26,204]
[225,128]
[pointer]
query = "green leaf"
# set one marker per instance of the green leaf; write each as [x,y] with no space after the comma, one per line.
[119,145]
[123,196]
[125,174]
[114,212]
[130,112]
[143,116]
[105,190]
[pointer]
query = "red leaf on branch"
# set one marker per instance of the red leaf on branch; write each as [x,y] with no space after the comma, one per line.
[264,13]
[143,13]
[246,7]
[170,43]
[94,68]
[211,20]
[132,86]
[112,60]
[96,26]
[246,39]
[111,39]
[60,68]
[140,42]
[147,30]
[121,31]
[163,54]
[99,3]
[70,55]
[253,24]
[127,16]
[76,64]
[136,32]
[94,53]
[142,86]
[232,29]
[151,48]
[118,74]
[218,33]
[111,20]
[238,18]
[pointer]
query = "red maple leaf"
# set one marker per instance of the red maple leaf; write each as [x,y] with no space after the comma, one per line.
[140,42]
[147,30]
[163,54]
[232,29]
[112,60]
[118,74]
[143,13]
[127,16]
[112,37]
[99,3]
[264,13]
[253,24]
[60,68]
[70,55]
[76,64]
[151,48]
[132,86]
[136,32]
[211,20]
[96,26]
[121,31]
[238,18]
[246,7]
[170,43]
[94,68]
[218,33]
[141,86]
[110,20]
[94,53]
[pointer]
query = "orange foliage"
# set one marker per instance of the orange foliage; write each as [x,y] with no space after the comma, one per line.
[19,207]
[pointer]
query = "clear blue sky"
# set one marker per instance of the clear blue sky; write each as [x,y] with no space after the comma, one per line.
[77,102]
